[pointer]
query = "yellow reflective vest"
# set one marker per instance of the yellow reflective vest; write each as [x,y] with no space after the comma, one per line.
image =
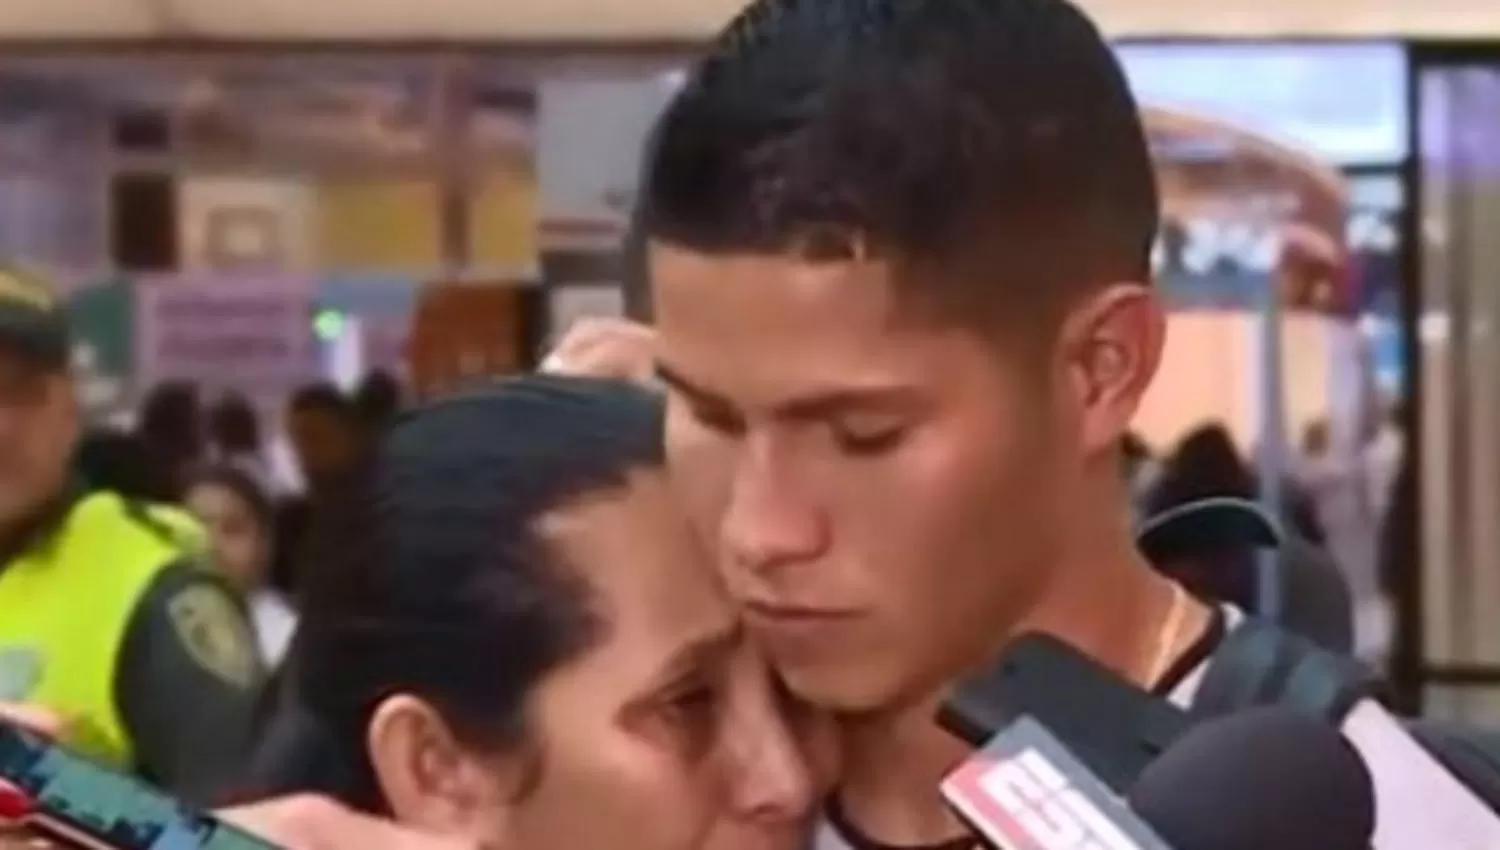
[65,605]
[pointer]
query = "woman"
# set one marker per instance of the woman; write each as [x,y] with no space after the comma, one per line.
[515,639]
[238,516]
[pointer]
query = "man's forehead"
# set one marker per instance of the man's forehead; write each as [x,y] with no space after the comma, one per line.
[775,278]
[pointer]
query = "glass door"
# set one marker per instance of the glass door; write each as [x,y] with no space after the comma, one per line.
[1455,441]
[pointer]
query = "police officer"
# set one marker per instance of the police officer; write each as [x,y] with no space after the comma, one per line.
[107,619]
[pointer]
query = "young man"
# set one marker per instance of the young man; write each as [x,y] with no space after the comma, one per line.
[900,256]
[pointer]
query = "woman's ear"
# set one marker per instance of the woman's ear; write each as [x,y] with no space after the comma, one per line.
[432,781]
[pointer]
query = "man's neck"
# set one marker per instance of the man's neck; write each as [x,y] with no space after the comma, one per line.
[894,762]
[892,766]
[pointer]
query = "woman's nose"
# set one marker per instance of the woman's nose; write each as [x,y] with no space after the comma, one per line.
[771,786]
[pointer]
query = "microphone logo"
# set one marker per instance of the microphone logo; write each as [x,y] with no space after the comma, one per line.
[1023,791]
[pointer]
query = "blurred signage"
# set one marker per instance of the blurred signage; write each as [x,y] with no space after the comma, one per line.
[1225,264]
[248,335]
[1218,246]
[382,305]
[1295,93]
[466,331]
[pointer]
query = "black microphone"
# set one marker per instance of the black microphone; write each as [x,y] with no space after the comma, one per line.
[1261,778]
[1264,778]
[1110,724]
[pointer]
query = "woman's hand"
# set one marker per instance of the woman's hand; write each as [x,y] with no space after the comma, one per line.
[605,348]
[33,717]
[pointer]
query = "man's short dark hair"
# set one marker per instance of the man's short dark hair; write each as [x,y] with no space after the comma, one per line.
[994,143]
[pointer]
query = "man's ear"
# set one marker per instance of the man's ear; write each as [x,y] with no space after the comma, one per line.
[1112,344]
[433,781]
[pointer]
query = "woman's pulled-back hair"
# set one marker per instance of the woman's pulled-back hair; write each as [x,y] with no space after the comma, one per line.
[433,580]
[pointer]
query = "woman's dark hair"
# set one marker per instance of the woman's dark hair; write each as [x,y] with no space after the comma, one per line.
[244,488]
[233,426]
[434,580]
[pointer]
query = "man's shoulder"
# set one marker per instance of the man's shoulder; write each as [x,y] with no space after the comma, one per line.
[159,531]
[189,612]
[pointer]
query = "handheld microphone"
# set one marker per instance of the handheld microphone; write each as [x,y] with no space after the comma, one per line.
[1110,724]
[1025,791]
[1260,778]
[1265,778]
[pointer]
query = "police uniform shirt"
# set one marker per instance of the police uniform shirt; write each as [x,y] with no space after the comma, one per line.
[185,682]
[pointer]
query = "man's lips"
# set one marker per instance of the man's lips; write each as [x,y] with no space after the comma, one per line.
[777,612]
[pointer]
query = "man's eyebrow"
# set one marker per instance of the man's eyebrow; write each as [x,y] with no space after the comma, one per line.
[814,405]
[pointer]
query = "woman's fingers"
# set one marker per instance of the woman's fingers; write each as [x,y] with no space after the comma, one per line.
[605,348]
[33,717]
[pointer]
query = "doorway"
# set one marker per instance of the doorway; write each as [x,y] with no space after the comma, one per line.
[1450,579]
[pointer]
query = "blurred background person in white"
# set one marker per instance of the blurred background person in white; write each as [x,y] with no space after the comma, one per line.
[238,516]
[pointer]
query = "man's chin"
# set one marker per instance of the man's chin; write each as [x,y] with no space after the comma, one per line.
[838,689]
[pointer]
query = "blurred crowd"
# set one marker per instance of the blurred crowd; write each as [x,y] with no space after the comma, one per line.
[257,486]
[1345,497]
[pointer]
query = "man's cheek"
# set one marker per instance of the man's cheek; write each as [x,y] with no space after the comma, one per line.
[702,472]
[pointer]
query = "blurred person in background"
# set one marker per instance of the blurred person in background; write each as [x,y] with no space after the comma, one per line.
[107,617]
[1206,464]
[234,438]
[109,458]
[171,427]
[378,399]
[327,435]
[1347,467]
[329,440]
[1385,456]
[239,518]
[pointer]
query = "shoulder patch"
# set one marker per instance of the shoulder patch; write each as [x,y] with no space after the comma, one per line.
[215,632]
[21,670]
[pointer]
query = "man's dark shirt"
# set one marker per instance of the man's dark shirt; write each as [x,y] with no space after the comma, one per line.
[188,714]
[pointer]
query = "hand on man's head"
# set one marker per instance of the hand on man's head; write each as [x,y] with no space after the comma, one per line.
[605,348]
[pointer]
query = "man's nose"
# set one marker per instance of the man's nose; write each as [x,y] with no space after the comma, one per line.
[768,522]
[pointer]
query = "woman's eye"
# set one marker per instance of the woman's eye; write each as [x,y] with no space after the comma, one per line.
[692,714]
[699,698]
